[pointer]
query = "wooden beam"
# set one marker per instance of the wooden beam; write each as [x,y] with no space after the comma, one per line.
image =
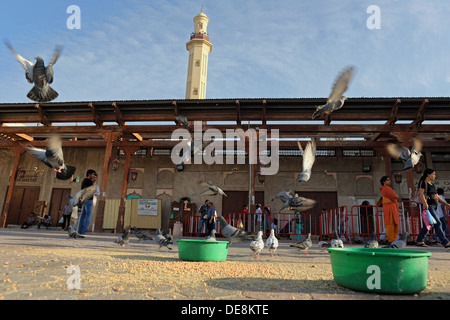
[392,119]
[264,112]
[95,117]
[118,115]
[420,116]
[237,104]
[43,116]
[175,108]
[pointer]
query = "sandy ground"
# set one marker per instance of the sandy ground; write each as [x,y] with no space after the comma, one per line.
[46,265]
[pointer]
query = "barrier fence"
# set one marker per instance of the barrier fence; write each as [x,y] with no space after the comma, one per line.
[356,224]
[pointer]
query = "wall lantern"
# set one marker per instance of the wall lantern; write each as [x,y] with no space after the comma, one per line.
[134,174]
[21,173]
[419,167]
[115,164]
[398,178]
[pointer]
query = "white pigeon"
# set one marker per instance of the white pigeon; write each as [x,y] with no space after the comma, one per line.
[272,242]
[257,245]
[335,99]
[336,242]
[409,157]
[309,156]
[52,156]
[212,236]
[233,233]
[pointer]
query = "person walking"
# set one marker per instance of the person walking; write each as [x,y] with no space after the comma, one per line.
[441,211]
[211,223]
[203,217]
[86,209]
[390,209]
[430,199]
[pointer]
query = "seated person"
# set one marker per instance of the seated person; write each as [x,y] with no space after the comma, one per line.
[45,221]
[30,221]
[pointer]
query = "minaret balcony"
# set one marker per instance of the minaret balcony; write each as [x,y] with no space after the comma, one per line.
[202,36]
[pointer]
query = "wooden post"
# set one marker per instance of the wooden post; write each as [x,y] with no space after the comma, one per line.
[18,151]
[121,217]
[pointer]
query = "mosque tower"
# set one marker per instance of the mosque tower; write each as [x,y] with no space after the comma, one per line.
[199,48]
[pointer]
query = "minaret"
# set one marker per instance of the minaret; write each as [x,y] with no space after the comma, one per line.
[199,47]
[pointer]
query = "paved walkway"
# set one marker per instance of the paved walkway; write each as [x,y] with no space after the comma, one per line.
[45,264]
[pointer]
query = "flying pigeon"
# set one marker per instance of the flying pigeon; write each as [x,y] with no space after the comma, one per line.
[336,242]
[303,244]
[399,243]
[257,245]
[193,150]
[335,99]
[232,233]
[182,120]
[73,234]
[141,235]
[372,243]
[212,236]
[38,74]
[123,239]
[272,242]
[294,201]
[161,240]
[53,157]
[309,156]
[213,190]
[81,196]
[323,245]
[409,157]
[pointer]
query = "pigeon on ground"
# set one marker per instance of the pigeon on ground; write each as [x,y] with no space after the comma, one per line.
[213,190]
[372,243]
[323,245]
[335,99]
[257,245]
[161,240]
[168,235]
[232,233]
[123,239]
[294,201]
[81,196]
[409,157]
[73,234]
[309,156]
[336,242]
[141,235]
[38,74]
[53,157]
[212,236]
[272,242]
[303,244]
[182,120]
[399,243]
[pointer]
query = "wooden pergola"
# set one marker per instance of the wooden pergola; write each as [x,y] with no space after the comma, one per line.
[131,125]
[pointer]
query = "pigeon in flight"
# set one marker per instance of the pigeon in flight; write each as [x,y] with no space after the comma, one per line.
[53,157]
[372,243]
[123,239]
[399,243]
[81,196]
[39,74]
[257,245]
[303,244]
[182,120]
[233,233]
[272,242]
[294,201]
[335,99]
[309,156]
[409,157]
[213,190]
[73,234]
[336,242]
[141,235]
[161,240]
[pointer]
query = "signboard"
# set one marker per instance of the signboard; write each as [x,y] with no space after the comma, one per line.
[148,207]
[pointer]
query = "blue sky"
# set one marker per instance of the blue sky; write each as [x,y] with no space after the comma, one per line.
[133,50]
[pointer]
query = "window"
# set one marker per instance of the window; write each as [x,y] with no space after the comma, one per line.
[197,63]
[195,92]
[358,153]
[441,161]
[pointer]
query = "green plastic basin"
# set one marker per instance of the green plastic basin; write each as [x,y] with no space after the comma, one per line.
[202,250]
[380,270]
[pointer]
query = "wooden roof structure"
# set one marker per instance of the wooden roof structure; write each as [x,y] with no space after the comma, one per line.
[139,122]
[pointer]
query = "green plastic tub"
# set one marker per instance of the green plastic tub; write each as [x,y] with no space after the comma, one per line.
[202,250]
[380,270]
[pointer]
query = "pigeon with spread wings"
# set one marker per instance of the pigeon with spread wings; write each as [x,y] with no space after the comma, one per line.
[409,157]
[39,74]
[335,99]
[309,156]
[212,189]
[53,157]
